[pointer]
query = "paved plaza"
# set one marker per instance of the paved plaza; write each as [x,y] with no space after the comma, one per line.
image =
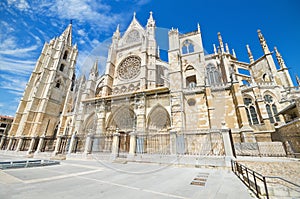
[99,179]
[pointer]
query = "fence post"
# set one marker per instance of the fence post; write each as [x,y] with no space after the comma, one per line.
[266,188]
[257,194]
[247,176]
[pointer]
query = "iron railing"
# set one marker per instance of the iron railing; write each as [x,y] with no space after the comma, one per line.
[256,182]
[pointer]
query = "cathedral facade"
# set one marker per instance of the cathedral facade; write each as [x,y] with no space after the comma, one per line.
[196,104]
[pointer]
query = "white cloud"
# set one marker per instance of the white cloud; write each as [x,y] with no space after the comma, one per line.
[12,84]
[19,51]
[16,66]
[85,11]
[20,4]
[81,32]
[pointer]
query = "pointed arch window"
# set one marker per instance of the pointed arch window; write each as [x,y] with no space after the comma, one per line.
[61,68]
[213,75]
[65,55]
[187,47]
[251,111]
[271,109]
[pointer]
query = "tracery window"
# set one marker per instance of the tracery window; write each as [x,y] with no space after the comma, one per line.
[133,36]
[271,109]
[129,67]
[187,47]
[213,75]
[251,111]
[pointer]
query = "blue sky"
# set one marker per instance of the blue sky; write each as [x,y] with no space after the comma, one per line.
[25,25]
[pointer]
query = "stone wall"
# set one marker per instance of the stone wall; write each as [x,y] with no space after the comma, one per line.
[260,149]
[289,133]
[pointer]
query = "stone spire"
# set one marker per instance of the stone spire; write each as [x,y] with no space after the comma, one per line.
[233,53]
[279,59]
[117,32]
[198,28]
[215,49]
[298,80]
[263,42]
[94,70]
[227,48]
[221,42]
[67,35]
[151,22]
[250,54]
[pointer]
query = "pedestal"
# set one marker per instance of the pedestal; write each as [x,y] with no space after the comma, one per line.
[40,145]
[227,146]
[132,146]
[88,142]
[115,145]
[2,141]
[20,142]
[32,142]
[71,146]
[58,142]
[173,142]
[9,143]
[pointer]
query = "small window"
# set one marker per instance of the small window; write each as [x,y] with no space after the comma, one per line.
[213,75]
[271,109]
[61,68]
[65,55]
[266,78]
[245,82]
[187,47]
[251,111]
[189,68]
[191,102]
[57,85]
[191,81]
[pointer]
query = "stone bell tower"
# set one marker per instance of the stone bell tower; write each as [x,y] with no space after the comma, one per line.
[45,93]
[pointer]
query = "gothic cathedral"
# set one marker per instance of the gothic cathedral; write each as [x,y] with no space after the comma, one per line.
[142,107]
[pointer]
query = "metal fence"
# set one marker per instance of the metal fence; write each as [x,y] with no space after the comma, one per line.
[153,144]
[204,143]
[102,144]
[265,186]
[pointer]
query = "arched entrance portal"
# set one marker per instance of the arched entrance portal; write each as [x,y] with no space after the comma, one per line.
[123,121]
[157,138]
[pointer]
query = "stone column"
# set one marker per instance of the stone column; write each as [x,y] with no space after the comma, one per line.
[173,142]
[88,142]
[20,142]
[115,145]
[58,142]
[9,143]
[2,141]
[31,145]
[40,145]
[71,146]
[227,146]
[132,144]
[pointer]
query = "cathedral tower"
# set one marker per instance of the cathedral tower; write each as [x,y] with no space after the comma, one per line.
[45,94]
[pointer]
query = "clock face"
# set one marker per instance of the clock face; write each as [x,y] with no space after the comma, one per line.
[129,68]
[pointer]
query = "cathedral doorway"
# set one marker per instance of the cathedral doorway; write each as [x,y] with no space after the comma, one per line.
[124,144]
[123,121]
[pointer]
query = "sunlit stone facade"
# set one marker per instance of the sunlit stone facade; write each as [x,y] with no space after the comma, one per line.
[196,104]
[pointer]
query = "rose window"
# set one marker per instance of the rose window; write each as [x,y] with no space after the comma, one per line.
[129,67]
